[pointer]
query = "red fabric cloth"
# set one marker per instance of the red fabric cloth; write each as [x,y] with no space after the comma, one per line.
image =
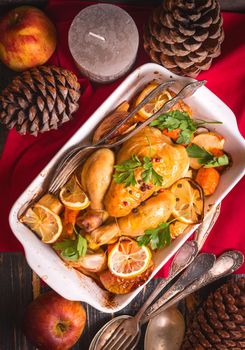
[25,156]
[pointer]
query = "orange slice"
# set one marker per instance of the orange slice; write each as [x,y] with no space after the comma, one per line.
[44,222]
[127,259]
[189,201]
[155,104]
[72,195]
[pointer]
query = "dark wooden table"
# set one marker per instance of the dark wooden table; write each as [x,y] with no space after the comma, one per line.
[19,285]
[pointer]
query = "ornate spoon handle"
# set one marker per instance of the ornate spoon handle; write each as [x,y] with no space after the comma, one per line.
[199,266]
[226,264]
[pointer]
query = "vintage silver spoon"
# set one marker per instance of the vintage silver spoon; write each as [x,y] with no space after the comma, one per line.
[165,331]
[130,328]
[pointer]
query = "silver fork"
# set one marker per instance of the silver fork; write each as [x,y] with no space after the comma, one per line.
[74,159]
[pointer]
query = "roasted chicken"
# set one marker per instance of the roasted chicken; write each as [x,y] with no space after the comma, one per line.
[169,160]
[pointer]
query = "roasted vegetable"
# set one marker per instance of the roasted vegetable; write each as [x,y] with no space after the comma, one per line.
[208,179]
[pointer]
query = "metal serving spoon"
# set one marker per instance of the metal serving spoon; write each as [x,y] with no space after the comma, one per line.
[165,331]
[75,158]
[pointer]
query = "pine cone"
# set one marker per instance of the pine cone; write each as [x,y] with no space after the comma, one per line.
[219,324]
[185,36]
[39,99]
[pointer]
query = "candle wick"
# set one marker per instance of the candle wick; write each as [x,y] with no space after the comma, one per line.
[97,36]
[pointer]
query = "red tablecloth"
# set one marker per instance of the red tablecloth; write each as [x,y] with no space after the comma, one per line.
[25,156]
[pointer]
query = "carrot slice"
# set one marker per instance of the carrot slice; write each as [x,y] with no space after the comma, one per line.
[208,179]
[70,217]
[173,134]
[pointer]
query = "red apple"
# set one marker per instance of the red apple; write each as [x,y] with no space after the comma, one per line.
[54,323]
[27,38]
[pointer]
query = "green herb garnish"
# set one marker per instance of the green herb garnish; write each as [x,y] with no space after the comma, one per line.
[157,237]
[149,174]
[205,158]
[180,120]
[72,249]
[125,172]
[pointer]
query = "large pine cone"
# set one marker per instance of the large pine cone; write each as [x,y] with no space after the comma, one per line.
[185,36]
[39,99]
[219,324]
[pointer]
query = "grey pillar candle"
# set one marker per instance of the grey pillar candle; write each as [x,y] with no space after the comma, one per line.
[103,40]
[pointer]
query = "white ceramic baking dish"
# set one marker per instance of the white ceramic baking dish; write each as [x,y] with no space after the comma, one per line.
[44,261]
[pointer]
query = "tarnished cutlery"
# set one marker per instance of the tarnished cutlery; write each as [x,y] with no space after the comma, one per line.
[125,334]
[184,256]
[225,264]
[74,159]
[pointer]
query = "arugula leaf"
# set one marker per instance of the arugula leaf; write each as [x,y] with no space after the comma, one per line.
[72,249]
[125,172]
[179,120]
[157,237]
[205,158]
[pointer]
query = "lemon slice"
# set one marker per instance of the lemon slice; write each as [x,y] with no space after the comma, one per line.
[127,259]
[72,195]
[45,223]
[189,201]
[155,104]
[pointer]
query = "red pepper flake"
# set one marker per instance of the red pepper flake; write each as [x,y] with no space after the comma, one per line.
[161,190]
[125,203]
[156,160]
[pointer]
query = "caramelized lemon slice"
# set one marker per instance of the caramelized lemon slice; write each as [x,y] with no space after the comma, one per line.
[44,222]
[155,104]
[72,195]
[127,259]
[189,201]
